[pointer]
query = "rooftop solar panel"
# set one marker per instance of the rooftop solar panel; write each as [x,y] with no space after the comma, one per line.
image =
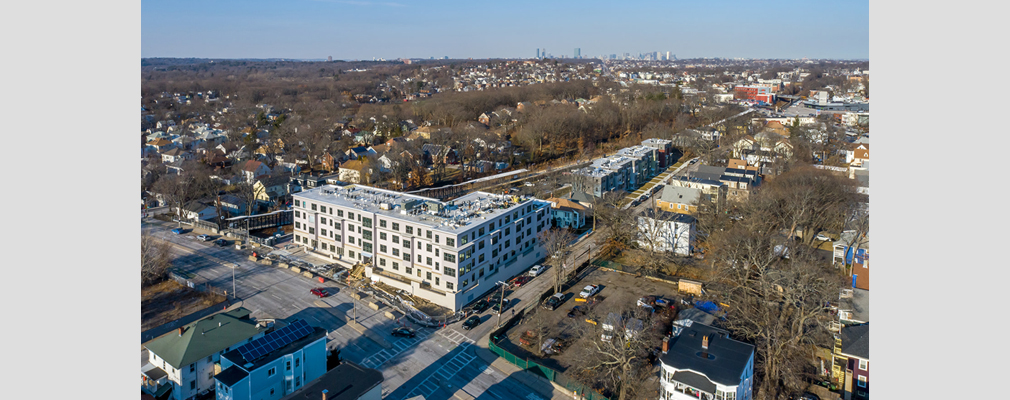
[297,329]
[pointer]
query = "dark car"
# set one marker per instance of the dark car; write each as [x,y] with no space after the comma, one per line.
[471,322]
[221,242]
[554,301]
[808,396]
[480,306]
[403,332]
[576,312]
[321,292]
[178,231]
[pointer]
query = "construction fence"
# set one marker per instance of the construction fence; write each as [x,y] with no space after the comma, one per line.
[580,390]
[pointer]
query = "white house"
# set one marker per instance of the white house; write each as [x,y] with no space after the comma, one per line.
[196,210]
[667,231]
[184,361]
[704,363]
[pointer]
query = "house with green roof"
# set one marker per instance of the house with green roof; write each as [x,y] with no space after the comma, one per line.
[182,364]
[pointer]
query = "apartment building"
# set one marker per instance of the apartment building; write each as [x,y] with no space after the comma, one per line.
[711,190]
[449,253]
[643,164]
[664,152]
[627,170]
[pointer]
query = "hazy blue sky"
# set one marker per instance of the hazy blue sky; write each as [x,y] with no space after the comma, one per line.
[460,29]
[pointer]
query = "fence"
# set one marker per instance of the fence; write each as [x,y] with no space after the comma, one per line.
[559,378]
[205,287]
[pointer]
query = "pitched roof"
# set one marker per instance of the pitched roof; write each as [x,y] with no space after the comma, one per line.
[251,165]
[725,361]
[355,165]
[566,204]
[583,197]
[204,337]
[160,142]
[856,341]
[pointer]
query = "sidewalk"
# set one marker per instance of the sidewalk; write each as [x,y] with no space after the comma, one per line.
[535,382]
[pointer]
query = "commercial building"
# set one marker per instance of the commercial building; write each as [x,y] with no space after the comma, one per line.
[347,381]
[702,362]
[273,366]
[760,94]
[185,362]
[449,253]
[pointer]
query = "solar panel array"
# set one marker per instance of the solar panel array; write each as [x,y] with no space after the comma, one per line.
[297,329]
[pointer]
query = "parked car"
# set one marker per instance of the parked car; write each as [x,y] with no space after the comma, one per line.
[471,322]
[178,231]
[480,306]
[500,307]
[588,291]
[403,332]
[521,281]
[221,242]
[822,237]
[576,311]
[321,292]
[554,301]
[536,270]
[204,238]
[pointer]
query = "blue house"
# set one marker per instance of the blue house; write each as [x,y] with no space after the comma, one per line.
[274,365]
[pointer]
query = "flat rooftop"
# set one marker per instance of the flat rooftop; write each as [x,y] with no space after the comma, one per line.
[635,151]
[612,162]
[451,216]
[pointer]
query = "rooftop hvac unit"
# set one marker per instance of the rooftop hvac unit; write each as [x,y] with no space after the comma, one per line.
[385,206]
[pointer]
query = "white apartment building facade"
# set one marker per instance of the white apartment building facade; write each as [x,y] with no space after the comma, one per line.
[449,253]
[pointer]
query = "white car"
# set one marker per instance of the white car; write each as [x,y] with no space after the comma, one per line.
[536,270]
[204,238]
[589,291]
[822,237]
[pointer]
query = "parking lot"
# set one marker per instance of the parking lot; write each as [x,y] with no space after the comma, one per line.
[618,292]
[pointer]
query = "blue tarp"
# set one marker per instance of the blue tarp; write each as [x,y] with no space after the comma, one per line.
[706,306]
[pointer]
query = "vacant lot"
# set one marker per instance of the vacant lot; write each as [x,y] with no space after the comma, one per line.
[167,301]
[618,291]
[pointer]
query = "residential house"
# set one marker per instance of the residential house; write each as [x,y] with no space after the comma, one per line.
[347,381]
[355,171]
[666,231]
[853,306]
[272,189]
[857,154]
[851,361]
[197,210]
[162,145]
[677,199]
[356,153]
[584,199]
[273,366]
[434,153]
[711,190]
[233,204]
[566,213]
[703,362]
[182,364]
[175,154]
[253,170]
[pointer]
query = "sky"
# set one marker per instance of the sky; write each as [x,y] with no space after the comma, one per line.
[363,30]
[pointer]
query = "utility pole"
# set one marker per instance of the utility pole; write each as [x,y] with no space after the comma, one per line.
[233,267]
[501,302]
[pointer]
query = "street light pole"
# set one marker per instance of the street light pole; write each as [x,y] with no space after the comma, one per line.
[501,302]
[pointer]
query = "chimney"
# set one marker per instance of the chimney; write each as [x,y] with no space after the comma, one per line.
[324,393]
[666,344]
[704,342]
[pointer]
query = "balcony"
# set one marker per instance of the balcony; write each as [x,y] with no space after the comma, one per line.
[154,381]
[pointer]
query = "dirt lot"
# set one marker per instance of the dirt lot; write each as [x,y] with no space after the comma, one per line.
[618,291]
[169,300]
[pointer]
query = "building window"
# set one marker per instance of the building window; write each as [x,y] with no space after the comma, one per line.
[396,227]
[298,381]
[410,230]
[428,260]
[192,384]
[192,367]
[436,238]
[367,235]
[287,366]
[448,285]
[298,225]
[297,214]
[428,247]
[382,223]
[480,232]
[313,207]
[406,257]
[449,257]
[449,271]
[450,241]
[367,222]
[396,252]
[480,245]
[863,365]
[429,234]
[382,235]
[322,231]
[350,215]
[210,358]
[396,266]
[428,274]
[312,230]
[298,203]
[861,381]
[337,237]
[408,270]
[367,247]
[272,371]
[436,281]
[340,213]
[382,248]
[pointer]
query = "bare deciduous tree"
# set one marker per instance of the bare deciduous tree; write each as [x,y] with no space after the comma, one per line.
[617,362]
[557,241]
[155,259]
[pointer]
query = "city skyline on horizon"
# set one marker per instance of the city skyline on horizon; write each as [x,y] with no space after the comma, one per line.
[316,29]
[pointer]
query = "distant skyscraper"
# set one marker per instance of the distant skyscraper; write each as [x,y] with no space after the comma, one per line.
[668,56]
[329,58]
[578,53]
[538,52]
[445,57]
